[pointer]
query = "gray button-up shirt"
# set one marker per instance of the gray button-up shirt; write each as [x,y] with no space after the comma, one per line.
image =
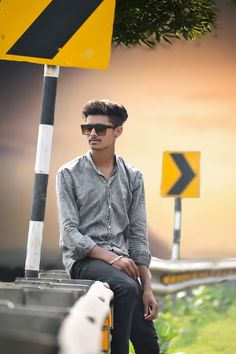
[95,211]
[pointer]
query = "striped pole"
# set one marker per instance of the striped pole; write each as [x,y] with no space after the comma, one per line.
[42,163]
[177,229]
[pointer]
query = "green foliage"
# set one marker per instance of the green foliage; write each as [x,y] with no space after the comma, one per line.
[152,21]
[217,298]
[189,312]
[184,313]
[167,329]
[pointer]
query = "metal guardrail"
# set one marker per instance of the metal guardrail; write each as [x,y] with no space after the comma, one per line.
[33,310]
[172,276]
[40,296]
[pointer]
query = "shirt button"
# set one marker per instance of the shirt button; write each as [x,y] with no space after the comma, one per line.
[109,206]
[109,226]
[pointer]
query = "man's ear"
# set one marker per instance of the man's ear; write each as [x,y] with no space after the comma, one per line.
[118,131]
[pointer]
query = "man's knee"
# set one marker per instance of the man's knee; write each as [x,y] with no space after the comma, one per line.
[131,288]
[127,287]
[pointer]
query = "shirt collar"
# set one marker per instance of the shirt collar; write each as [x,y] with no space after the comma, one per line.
[89,157]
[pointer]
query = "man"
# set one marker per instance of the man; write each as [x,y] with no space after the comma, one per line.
[103,227]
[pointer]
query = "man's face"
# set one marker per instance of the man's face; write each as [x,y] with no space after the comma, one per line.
[101,142]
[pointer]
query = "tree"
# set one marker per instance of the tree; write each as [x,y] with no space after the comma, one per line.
[151,21]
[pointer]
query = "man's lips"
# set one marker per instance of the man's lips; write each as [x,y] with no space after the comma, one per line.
[91,140]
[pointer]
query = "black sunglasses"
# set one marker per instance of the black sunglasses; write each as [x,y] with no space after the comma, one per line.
[100,129]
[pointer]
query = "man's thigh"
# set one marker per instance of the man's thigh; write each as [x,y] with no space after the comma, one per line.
[96,269]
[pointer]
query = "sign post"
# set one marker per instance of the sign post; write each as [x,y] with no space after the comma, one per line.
[177,229]
[180,179]
[42,164]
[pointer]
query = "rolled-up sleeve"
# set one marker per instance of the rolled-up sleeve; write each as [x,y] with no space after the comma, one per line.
[68,215]
[138,235]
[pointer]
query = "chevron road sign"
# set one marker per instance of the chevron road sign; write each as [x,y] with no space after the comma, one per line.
[180,174]
[57,32]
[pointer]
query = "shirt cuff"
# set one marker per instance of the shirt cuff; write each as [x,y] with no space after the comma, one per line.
[84,248]
[142,257]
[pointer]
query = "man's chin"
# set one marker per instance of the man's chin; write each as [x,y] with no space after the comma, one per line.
[94,147]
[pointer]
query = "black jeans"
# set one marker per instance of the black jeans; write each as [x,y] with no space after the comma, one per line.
[129,320]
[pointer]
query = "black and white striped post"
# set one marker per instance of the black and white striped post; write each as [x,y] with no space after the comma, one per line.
[177,229]
[42,163]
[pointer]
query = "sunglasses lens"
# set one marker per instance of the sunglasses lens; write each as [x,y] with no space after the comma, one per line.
[100,129]
[86,129]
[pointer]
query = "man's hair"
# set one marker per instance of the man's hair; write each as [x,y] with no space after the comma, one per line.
[116,113]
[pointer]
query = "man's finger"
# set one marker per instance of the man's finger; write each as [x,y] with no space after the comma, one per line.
[135,269]
[126,269]
[152,311]
[146,311]
[152,314]
[127,266]
[132,271]
[130,266]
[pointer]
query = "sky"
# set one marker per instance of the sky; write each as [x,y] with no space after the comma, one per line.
[179,98]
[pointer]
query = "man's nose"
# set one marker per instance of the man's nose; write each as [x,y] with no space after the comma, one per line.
[93,132]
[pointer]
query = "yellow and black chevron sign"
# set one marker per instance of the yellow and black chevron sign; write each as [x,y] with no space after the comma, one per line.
[181,174]
[57,32]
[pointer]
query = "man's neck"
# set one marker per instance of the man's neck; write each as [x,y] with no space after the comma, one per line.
[103,158]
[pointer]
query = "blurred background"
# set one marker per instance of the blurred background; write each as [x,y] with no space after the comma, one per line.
[180,98]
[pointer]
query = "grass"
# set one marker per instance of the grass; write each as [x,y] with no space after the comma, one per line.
[201,321]
[215,336]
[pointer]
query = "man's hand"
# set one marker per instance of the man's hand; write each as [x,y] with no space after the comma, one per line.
[127,266]
[149,301]
[124,264]
[150,305]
